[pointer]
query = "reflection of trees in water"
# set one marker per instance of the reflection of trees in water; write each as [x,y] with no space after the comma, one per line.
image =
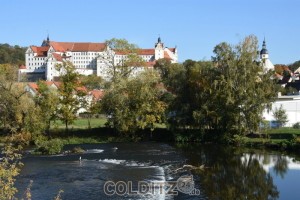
[281,166]
[226,176]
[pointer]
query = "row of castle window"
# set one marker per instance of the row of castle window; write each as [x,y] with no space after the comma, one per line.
[85,53]
[33,64]
[86,66]
[41,58]
[37,67]
[83,58]
[93,61]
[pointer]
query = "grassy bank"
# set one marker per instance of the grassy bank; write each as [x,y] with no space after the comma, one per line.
[279,138]
[81,123]
[80,133]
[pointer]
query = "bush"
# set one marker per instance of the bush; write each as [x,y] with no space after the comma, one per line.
[181,138]
[238,139]
[53,146]
[296,125]
[77,150]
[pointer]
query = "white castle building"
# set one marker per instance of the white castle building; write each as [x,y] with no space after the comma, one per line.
[88,58]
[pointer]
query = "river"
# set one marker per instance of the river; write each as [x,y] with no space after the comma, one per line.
[161,171]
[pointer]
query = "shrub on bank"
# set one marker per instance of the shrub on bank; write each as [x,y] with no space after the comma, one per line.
[53,146]
[296,125]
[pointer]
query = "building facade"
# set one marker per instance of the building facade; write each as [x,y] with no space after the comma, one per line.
[88,58]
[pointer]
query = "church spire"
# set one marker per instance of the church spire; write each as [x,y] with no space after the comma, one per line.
[264,48]
[264,56]
[159,43]
[158,40]
[46,42]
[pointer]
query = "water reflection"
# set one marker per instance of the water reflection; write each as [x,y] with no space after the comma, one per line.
[228,173]
[233,173]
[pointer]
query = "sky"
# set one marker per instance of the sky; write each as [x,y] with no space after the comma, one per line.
[195,27]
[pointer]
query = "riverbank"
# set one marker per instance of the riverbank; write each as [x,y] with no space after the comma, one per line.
[93,131]
[283,139]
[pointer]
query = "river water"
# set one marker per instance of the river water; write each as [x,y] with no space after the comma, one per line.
[162,171]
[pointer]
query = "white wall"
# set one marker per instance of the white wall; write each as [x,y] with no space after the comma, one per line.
[291,107]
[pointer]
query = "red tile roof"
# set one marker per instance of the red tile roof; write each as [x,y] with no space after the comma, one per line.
[82,89]
[146,51]
[40,51]
[34,86]
[97,94]
[139,52]
[57,56]
[49,83]
[22,67]
[172,49]
[77,46]
[119,52]
[58,84]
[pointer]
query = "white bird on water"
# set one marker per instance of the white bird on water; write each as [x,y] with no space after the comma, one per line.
[115,148]
[79,158]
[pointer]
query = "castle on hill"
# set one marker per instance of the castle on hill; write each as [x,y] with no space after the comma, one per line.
[87,58]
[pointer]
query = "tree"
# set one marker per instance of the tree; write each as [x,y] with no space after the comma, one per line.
[92,81]
[120,67]
[18,112]
[294,66]
[10,165]
[242,89]
[280,116]
[134,103]
[226,95]
[12,54]
[71,94]
[47,100]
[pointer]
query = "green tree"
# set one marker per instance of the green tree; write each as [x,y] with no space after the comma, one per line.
[242,90]
[18,112]
[12,54]
[134,103]
[226,95]
[280,116]
[71,94]
[294,66]
[48,101]
[92,82]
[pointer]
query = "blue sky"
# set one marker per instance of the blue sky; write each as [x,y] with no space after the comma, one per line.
[195,26]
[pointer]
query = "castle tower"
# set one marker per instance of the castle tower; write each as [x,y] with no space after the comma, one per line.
[159,49]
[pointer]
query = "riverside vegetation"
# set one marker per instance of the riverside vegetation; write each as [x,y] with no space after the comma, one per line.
[220,101]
